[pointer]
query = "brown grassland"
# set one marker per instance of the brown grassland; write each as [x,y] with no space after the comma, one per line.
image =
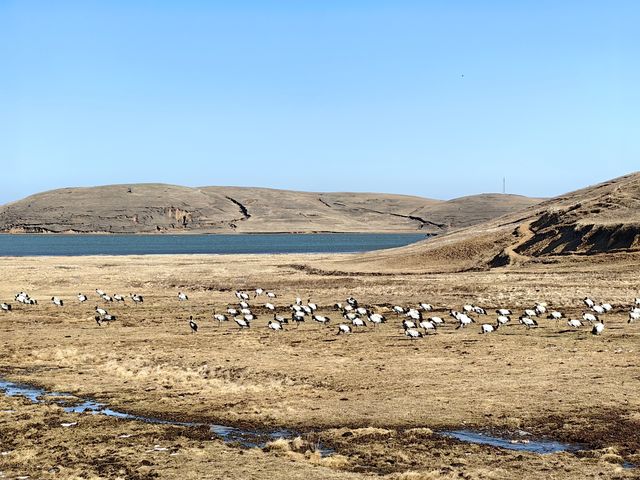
[375,397]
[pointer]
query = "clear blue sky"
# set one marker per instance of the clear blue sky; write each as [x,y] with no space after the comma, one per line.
[325,95]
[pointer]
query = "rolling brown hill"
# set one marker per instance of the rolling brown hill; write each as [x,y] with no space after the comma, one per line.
[600,219]
[159,208]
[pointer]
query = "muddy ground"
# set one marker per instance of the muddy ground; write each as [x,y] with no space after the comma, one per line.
[376,398]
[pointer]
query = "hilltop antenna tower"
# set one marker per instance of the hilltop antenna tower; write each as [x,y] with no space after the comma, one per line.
[504,185]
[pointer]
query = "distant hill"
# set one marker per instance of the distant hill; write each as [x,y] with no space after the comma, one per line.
[159,208]
[601,219]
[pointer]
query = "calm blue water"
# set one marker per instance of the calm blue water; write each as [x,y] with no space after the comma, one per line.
[74,245]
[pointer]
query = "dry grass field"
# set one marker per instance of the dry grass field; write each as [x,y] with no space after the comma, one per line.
[375,398]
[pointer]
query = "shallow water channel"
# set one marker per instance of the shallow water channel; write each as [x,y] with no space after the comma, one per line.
[258,438]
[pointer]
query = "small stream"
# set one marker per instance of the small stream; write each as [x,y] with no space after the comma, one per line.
[257,438]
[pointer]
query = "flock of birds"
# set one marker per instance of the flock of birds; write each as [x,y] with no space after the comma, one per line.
[416,321]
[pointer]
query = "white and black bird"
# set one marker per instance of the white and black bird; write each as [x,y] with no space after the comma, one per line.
[398,309]
[505,312]
[271,295]
[408,324]
[344,328]
[555,315]
[589,317]
[574,323]
[242,323]
[321,319]
[598,328]
[376,318]
[427,326]
[437,321]
[599,309]
[503,319]
[427,307]
[487,328]
[274,325]
[100,292]
[219,317]
[528,322]
[412,333]
[57,301]
[118,298]
[136,298]
[358,322]
[82,298]
[193,325]
[101,311]
[530,313]
[232,311]
[588,302]
[633,316]
[5,307]
[269,306]
[182,297]
[259,291]
[464,320]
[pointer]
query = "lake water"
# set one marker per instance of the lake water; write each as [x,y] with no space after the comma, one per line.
[76,245]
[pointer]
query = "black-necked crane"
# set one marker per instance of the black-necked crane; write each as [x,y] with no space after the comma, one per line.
[280,319]
[101,311]
[479,310]
[193,325]
[269,306]
[376,318]
[607,307]
[555,315]
[344,328]
[259,291]
[136,298]
[312,305]
[232,311]
[505,312]
[540,308]
[242,295]
[427,326]
[589,317]
[82,298]
[408,324]
[249,317]
[503,319]
[297,317]
[271,295]
[358,322]
[107,298]
[488,328]
[97,319]
[598,328]
[242,323]
[398,309]
[574,323]
[599,309]
[528,322]
[353,302]
[427,307]
[414,314]
[108,318]
[274,325]
[464,320]
[588,302]
[528,312]
[182,297]
[412,333]
[437,321]
[321,319]
[99,292]
[57,301]
[362,311]
[633,316]
[637,301]
[219,317]
[118,298]
[468,308]
[245,311]
[5,307]
[243,304]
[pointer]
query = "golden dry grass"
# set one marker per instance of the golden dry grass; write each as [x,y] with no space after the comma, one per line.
[374,396]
